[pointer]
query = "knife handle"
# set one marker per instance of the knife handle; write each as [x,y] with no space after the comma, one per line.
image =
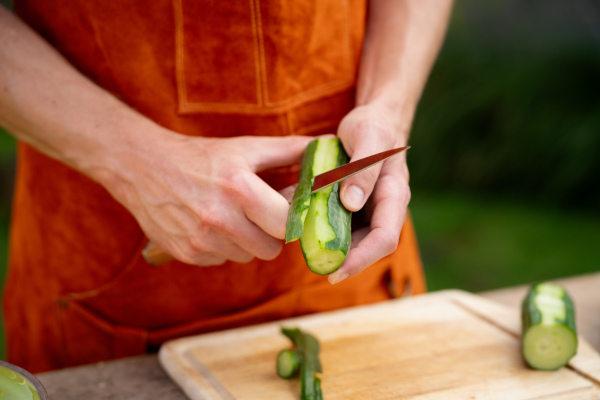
[156,256]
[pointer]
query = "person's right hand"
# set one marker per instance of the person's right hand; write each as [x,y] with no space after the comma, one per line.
[200,200]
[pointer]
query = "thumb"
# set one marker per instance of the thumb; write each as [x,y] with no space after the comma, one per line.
[269,152]
[356,190]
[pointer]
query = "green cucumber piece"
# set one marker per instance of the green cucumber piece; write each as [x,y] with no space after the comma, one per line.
[14,386]
[301,200]
[320,220]
[288,364]
[549,337]
[307,349]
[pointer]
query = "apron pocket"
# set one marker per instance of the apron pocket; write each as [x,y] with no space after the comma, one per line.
[88,338]
[260,56]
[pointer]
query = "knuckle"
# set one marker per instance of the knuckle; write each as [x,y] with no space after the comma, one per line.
[216,223]
[217,261]
[184,256]
[197,246]
[389,245]
[212,220]
[235,184]
[371,174]
[272,252]
[365,179]
[244,258]
[209,261]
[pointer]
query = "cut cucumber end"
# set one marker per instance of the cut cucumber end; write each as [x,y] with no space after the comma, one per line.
[287,364]
[317,232]
[549,347]
[324,261]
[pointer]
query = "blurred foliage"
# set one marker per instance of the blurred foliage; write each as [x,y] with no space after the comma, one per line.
[504,171]
[512,106]
[477,244]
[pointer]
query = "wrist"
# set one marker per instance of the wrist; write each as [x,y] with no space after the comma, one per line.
[394,111]
[126,148]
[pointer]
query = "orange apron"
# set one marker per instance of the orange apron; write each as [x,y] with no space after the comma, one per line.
[78,290]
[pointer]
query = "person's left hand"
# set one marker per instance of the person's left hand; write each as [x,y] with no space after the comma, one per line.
[382,190]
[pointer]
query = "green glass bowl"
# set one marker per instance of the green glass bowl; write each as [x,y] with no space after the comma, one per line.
[18,384]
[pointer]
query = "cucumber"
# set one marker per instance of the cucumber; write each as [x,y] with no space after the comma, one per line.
[320,220]
[549,336]
[307,349]
[288,364]
[14,386]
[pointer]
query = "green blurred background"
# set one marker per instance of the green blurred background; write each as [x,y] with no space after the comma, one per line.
[504,172]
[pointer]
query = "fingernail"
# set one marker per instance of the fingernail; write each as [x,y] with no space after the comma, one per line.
[337,278]
[354,196]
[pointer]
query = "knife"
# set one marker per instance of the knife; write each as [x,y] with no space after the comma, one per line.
[154,255]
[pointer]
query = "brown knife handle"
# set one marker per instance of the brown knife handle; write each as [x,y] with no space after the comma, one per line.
[156,256]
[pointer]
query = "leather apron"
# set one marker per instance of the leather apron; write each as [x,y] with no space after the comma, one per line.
[78,290]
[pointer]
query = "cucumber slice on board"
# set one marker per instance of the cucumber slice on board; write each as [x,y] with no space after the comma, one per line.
[288,364]
[549,338]
[320,220]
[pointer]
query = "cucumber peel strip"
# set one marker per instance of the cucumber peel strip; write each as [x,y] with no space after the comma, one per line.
[307,349]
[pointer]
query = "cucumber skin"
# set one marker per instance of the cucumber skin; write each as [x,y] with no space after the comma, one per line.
[531,315]
[301,200]
[307,348]
[338,216]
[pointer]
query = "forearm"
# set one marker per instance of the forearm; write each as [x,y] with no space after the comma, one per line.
[45,102]
[402,40]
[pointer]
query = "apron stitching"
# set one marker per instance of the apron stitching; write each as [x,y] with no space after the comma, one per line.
[257,33]
[178,11]
[295,101]
[288,120]
[299,97]
[262,53]
[256,54]
[348,46]
[102,48]
[316,126]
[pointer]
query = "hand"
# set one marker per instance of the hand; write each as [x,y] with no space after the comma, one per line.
[382,190]
[200,200]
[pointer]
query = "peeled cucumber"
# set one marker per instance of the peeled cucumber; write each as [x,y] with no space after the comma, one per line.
[549,337]
[320,220]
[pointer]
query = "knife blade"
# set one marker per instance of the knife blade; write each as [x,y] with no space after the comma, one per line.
[154,255]
[340,173]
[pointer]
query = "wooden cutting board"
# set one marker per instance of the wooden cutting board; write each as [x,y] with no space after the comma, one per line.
[443,345]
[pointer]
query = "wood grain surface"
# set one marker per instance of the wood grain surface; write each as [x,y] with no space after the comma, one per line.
[443,345]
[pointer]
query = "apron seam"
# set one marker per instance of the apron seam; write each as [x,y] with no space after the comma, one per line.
[128,266]
[255,43]
[261,48]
